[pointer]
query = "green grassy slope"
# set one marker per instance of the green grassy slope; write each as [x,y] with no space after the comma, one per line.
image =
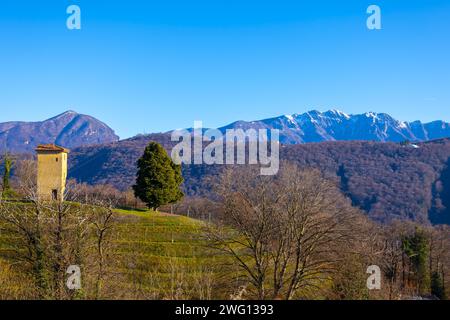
[164,256]
[159,256]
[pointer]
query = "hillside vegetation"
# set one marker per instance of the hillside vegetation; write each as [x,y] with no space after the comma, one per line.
[292,237]
[152,256]
[164,256]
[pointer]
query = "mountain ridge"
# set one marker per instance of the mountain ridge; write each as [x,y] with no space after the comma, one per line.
[335,125]
[387,180]
[70,129]
[73,130]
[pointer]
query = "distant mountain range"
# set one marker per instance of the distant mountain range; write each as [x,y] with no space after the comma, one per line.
[68,129]
[335,125]
[71,129]
[386,180]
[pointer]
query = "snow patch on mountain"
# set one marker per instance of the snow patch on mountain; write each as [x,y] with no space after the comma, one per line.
[332,125]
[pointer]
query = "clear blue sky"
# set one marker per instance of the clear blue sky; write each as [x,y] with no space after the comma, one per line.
[150,66]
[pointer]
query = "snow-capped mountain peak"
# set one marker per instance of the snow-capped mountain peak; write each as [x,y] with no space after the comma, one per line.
[316,126]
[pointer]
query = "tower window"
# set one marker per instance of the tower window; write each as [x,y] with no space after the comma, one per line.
[54,194]
[56,159]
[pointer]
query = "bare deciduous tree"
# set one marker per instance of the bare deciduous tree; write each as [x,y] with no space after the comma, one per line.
[284,231]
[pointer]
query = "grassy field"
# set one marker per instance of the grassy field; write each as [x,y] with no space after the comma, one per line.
[155,255]
[165,256]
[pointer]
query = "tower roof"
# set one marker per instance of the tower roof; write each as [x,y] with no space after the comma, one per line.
[51,148]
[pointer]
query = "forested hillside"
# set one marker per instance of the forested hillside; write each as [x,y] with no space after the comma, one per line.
[387,180]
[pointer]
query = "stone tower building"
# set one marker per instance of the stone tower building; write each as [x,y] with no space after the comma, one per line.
[52,172]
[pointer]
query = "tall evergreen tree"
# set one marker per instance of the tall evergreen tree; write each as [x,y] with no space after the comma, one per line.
[8,163]
[417,249]
[437,286]
[158,178]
